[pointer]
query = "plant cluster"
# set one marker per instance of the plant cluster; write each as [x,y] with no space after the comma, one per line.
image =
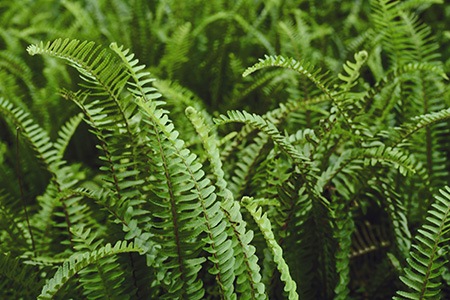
[240,149]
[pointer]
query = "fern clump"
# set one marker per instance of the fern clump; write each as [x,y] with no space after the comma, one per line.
[319,171]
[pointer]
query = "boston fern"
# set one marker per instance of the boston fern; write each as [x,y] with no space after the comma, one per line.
[339,192]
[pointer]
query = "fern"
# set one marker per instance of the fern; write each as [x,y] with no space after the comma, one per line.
[425,266]
[77,262]
[248,273]
[265,227]
[104,278]
[296,182]
[65,134]
[268,128]
[18,276]
[321,80]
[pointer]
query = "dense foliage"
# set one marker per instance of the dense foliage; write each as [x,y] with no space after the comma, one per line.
[242,149]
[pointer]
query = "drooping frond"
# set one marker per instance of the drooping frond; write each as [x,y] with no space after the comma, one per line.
[395,156]
[104,278]
[268,128]
[78,261]
[98,68]
[419,122]
[321,80]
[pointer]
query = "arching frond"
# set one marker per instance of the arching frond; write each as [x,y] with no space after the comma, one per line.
[78,261]
[321,80]
[268,128]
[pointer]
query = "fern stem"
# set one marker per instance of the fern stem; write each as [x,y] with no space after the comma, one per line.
[22,194]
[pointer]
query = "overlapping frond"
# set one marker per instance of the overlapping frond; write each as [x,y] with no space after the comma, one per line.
[178,184]
[18,276]
[248,271]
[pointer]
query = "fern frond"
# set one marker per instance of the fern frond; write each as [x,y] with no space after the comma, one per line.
[35,136]
[181,190]
[178,186]
[415,4]
[422,275]
[14,235]
[266,229]
[140,79]
[17,276]
[104,75]
[353,70]
[419,122]
[248,273]
[65,134]
[177,48]
[124,214]
[47,153]
[343,234]
[78,262]
[97,67]
[103,279]
[266,127]
[386,20]
[116,160]
[395,207]
[394,156]
[321,80]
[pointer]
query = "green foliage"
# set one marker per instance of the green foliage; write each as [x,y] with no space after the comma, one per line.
[320,171]
[426,264]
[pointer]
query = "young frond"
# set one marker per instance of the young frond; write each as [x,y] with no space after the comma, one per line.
[353,70]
